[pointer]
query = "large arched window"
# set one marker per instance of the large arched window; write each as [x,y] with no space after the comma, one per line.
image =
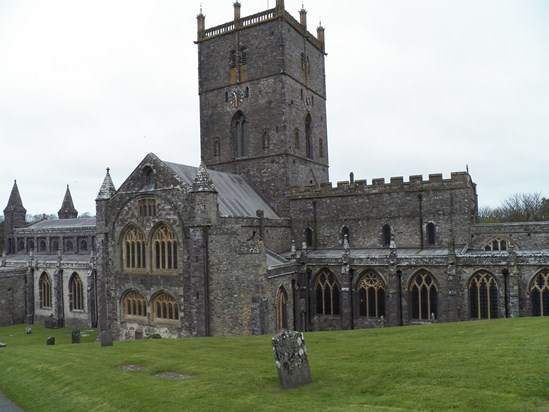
[309,136]
[44,285]
[239,132]
[165,307]
[539,292]
[134,304]
[281,308]
[371,293]
[424,296]
[327,294]
[134,249]
[76,296]
[483,296]
[164,248]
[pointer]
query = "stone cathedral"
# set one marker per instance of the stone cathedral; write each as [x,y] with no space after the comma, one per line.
[256,238]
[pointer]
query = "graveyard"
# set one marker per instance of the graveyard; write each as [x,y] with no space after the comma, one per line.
[482,365]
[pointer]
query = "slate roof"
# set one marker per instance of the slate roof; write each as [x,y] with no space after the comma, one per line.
[60,224]
[236,197]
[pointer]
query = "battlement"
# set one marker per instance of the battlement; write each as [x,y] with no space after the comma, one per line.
[415,182]
[240,23]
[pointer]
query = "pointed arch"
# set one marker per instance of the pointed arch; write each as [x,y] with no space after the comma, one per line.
[371,293]
[76,293]
[164,307]
[134,304]
[424,296]
[239,130]
[345,232]
[326,293]
[133,248]
[539,293]
[309,237]
[483,296]
[281,308]
[164,248]
[44,285]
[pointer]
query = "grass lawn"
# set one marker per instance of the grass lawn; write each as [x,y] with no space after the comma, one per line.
[495,365]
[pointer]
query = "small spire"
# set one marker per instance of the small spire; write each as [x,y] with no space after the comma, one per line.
[107,189]
[67,210]
[202,181]
[15,198]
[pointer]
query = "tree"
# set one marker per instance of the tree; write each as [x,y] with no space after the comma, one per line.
[520,207]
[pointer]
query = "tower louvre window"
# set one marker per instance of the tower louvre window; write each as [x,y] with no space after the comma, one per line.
[233,59]
[308,136]
[431,233]
[239,132]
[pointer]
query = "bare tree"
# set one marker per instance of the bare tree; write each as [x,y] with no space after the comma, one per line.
[520,207]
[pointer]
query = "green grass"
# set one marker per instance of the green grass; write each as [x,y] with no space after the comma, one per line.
[494,365]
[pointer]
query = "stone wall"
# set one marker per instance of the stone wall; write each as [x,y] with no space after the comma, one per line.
[12,297]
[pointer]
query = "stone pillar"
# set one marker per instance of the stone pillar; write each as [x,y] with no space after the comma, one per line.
[303,18]
[199,278]
[302,294]
[201,25]
[237,6]
[346,301]
[452,309]
[59,308]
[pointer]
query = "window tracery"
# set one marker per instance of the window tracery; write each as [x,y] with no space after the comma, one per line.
[164,248]
[76,297]
[134,304]
[165,307]
[327,294]
[483,296]
[44,285]
[134,249]
[371,292]
[424,296]
[497,244]
[539,292]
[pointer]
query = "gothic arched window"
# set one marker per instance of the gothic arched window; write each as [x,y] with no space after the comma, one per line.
[371,292]
[239,133]
[539,292]
[165,307]
[424,296]
[164,248]
[134,304]
[327,294]
[483,296]
[281,308]
[76,297]
[44,285]
[134,249]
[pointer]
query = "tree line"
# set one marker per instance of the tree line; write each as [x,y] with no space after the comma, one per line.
[520,207]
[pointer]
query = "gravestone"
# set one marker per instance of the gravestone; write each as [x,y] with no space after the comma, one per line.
[75,336]
[2,345]
[28,331]
[291,360]
[50,341]
[106,338]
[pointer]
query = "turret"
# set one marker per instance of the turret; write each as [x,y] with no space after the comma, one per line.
[106,191]
[67,210]
[14,216]
[203,198]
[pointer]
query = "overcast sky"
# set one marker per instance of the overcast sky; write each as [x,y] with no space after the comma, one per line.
[414,87]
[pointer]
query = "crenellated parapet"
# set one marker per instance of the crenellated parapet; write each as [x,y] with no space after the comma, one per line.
[377,185]
[240,23]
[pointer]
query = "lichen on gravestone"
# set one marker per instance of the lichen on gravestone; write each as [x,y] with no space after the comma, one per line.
[291,359]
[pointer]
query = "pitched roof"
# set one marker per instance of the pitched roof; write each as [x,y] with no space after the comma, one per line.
[67,210]
[236,197]
[60,225]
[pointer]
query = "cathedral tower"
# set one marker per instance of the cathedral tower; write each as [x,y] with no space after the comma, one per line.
[263,101]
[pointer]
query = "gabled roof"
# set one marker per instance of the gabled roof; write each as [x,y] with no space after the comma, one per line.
[15,202]
[236,197]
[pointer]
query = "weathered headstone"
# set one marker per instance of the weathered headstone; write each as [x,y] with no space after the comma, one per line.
[28,331]
[291,360]
[51,340]
[75,336]
[106,338]
[2,345]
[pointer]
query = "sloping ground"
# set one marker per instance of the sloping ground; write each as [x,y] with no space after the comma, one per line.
[486,365]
